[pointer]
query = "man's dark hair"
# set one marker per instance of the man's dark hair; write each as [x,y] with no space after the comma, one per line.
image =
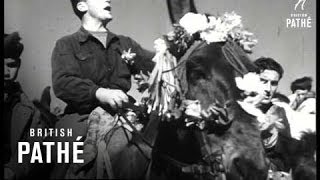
[264,63]
[12,46]
[74,7]
[304,83]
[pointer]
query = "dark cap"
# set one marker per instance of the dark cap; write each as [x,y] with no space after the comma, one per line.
[12,46]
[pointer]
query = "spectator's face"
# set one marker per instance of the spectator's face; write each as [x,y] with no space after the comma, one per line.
[11,68]
[98,9]
[270,80]
[301,94]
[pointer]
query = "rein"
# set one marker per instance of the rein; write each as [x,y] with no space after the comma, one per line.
[212,161]
[122,116]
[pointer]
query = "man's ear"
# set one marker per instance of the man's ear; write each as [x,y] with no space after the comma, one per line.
[82,6]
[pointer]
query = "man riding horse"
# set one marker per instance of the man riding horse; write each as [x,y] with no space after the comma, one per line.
[91,71]
[90,75]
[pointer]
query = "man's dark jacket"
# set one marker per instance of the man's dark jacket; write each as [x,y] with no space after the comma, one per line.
[81,64]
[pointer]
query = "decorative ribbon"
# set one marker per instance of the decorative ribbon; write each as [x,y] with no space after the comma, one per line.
[163,86]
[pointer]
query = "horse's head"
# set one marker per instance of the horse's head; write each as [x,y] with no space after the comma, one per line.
[210,75]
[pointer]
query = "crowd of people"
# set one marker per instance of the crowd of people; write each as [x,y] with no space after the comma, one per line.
[90,77]
[281,117]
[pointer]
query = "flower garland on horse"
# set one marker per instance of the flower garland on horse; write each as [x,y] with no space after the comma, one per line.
[165,93]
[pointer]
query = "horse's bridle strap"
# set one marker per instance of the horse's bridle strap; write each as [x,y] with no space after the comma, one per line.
[196,169]
[199,169]
[122,115]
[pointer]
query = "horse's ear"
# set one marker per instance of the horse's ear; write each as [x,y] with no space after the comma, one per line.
[178,8]
[238,58]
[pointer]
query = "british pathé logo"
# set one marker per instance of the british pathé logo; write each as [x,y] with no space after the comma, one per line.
[299,18]
[301,3]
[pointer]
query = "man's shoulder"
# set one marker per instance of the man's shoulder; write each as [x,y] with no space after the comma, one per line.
[67,38]
[124,39]
[67,43]
[120,36]
[276,109]
[26,100]
[308,106]
[25,106]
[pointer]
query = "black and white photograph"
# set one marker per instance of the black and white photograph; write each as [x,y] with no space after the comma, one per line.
[159,89]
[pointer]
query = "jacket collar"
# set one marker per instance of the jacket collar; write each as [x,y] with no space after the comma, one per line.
[83,35]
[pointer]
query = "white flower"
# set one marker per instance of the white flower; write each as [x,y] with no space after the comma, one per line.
[219,25]
[211,36]
[193,108]
[236,33]
[248,45]
[212,21]
[160,45]
[193,23]
[250,82]
[247,41]
[216,31]
[127,56]
[232,20]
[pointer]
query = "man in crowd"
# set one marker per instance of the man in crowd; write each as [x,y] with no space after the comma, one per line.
[92,68]
[302,98]
[270,74]
[274,124]
[20,113]
[300,107]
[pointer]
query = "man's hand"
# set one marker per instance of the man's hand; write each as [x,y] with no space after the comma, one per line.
[57,106]
[113,97]
[142,81]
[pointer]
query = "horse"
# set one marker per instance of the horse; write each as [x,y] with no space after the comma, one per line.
[172,147]
[170,150]
[232,151]
[210,77]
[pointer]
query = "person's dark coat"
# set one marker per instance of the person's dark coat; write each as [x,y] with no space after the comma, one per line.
[81,64]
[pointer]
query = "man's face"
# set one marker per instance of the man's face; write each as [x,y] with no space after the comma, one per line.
[11,68]
[270,80]
[99,9]
[301,94]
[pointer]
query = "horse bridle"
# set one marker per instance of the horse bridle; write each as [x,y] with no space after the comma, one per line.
[212,160]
